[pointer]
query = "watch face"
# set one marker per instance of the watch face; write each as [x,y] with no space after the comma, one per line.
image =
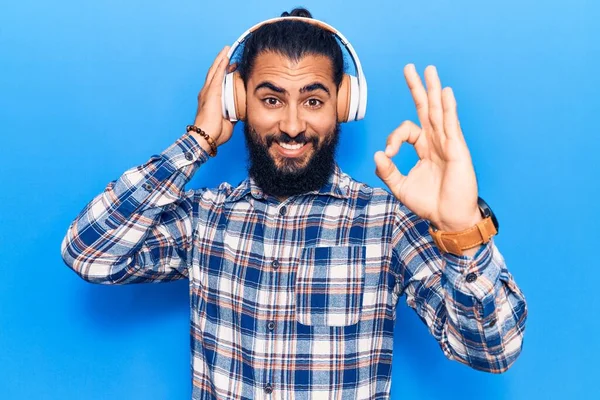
[487,212]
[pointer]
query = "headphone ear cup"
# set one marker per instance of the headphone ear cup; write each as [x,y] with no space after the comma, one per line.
[239,96]
[227,98]
[343,99]
[353,101]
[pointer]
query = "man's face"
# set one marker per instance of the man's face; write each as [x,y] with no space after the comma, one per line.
[291,129]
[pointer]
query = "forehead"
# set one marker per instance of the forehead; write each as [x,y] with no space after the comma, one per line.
[281,70]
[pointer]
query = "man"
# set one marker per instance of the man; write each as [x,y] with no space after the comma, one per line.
[295,274]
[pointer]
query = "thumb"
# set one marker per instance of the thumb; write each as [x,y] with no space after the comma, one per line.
[389,173]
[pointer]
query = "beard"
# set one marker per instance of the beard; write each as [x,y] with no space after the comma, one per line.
[290,177]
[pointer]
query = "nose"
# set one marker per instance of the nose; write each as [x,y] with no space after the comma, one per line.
[292,123]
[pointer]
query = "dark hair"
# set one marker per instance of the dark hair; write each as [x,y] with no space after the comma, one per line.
[293,39]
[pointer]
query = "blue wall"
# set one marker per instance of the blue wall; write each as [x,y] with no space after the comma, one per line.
[89,90]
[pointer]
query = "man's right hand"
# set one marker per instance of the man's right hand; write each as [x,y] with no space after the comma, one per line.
[209,116]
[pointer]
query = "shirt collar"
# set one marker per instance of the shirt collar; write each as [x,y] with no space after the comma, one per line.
[338,185]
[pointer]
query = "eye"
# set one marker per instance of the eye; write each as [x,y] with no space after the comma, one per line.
[314,103]
[271,101]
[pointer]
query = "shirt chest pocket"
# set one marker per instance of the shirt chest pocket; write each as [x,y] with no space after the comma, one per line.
[329,285]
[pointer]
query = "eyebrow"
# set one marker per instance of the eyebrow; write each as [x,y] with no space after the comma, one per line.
[308,88]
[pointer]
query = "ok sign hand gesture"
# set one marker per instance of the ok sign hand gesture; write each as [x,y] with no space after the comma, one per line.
[441,187]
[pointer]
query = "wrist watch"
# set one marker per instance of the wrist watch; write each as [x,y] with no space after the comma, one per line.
[481,233]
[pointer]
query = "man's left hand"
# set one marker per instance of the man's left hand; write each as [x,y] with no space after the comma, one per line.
[441,187]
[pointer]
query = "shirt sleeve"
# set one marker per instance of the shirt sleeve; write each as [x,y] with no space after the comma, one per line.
[139,229]
[471,305]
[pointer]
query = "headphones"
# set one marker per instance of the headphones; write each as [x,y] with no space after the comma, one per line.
[352,93]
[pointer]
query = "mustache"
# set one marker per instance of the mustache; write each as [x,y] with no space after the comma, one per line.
[283,137]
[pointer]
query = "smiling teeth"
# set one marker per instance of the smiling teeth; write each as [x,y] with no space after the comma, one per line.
[291,147]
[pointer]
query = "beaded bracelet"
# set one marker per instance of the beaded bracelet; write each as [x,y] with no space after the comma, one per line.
[210,141]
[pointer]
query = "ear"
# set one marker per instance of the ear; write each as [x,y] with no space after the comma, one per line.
[239,96]
[343,99]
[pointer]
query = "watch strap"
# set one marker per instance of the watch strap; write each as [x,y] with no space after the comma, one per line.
[456,242]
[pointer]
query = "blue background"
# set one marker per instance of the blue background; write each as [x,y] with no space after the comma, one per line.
[90,90]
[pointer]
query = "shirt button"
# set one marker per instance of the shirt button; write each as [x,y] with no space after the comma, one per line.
[472,277]
[271,325]
[148,186]
[189,156]
[268,388]
[275,264]
[282,211]
[492,323]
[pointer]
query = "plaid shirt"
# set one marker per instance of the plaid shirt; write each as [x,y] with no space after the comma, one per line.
[294,299]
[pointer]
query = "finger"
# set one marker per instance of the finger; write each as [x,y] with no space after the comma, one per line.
[409,132]
[215,64]
[389,173]
[451,125]
[217,79]
[232,67]
[434,97]
[419,94]
[216,61]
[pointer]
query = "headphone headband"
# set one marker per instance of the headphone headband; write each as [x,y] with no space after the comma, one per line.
[362,82]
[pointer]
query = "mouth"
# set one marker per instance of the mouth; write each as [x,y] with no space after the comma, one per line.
[291,150]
